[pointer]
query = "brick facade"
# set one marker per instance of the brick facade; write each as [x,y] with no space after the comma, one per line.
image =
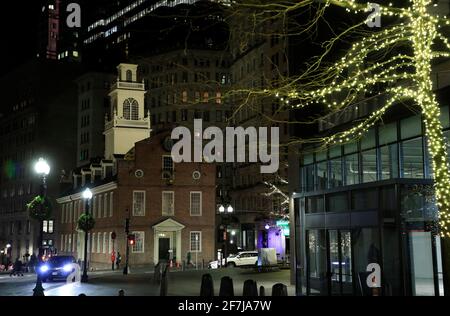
[147,156]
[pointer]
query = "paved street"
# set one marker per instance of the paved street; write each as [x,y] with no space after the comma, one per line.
[140,283]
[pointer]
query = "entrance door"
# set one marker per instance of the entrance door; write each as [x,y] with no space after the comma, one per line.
[164,246]
[339,262]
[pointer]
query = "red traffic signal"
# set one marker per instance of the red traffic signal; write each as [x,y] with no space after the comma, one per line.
[131,239]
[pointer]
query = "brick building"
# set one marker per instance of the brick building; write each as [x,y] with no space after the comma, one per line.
[170,207]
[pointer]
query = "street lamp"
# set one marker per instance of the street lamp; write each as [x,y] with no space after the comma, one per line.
[221,209]
[42,169]
[87,196]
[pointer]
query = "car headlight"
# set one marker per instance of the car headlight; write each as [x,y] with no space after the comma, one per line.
[44,268]
[67,268]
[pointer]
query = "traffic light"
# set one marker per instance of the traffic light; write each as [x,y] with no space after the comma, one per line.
[131,239]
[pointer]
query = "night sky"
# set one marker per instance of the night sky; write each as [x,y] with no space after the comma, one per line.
[18,32]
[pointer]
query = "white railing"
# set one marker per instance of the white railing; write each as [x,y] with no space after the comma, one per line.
[128,85]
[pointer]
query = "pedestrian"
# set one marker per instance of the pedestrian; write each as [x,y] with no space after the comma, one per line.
[17,268]
[121,292]
[118,260]
[32,263]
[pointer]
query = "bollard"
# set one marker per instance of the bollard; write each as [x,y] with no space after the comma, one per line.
[262,291]
[279,289]
[121,292]
[82,294]
[250,288]
[157,273]
[226,287]
[207,287]
[163,287]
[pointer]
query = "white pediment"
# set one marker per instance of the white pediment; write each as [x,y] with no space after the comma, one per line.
[168,225]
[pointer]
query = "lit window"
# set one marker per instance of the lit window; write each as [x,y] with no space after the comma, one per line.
[168,203]
[196,204]
[138,246]
[196,241]
[138,203]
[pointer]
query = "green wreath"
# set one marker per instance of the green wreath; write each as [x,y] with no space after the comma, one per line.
[40,208]
[86,222]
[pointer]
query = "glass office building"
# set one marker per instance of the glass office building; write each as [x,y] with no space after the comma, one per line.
[370,201]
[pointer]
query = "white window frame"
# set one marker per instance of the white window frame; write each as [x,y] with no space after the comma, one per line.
[201,203]
[142,234]
[199,241]
[143,204]
[62,243]
[74,245]
[63,209]
[100,204]
[111,199]
[99,242]
[173,203]
[104,242]
[94,207]
[110,248]
[89,243]
[94,243]
[105,205]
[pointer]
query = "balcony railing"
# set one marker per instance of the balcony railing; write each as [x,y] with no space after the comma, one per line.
[128,85]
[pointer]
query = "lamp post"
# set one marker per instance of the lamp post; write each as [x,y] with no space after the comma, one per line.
[229,210]
[87,196]
[43,169]
[127,232]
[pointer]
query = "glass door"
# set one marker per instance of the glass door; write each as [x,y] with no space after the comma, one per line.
[340,262]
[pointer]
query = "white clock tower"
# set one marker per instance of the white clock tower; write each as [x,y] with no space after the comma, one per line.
[126,123]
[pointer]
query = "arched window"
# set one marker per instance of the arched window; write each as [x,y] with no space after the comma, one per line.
[131,109]
[129,76]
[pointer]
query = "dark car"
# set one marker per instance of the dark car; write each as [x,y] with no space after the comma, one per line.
[58,267]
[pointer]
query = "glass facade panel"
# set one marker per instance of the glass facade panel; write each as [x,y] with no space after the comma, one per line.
[445,119]
[366,249]
[317,262]
[421,262]
[364,199]
[411,126]
[351,169]
[321,155]
[308,172]
[338,202]
[335,151]
[321,179]
[307,159]
[334,262]
[368,139]
[346,260]
[336,178]
[412,159]
[350,148]
[389,161]
[387,133]
[369,166]
[314,204]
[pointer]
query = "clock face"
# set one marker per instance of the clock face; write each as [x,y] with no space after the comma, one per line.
[168,143]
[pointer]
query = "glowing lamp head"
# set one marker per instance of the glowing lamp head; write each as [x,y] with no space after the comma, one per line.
[267,226]
[41,167]
[8,246]
[221,209]
[44,268]
[230,209]
[87,194]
